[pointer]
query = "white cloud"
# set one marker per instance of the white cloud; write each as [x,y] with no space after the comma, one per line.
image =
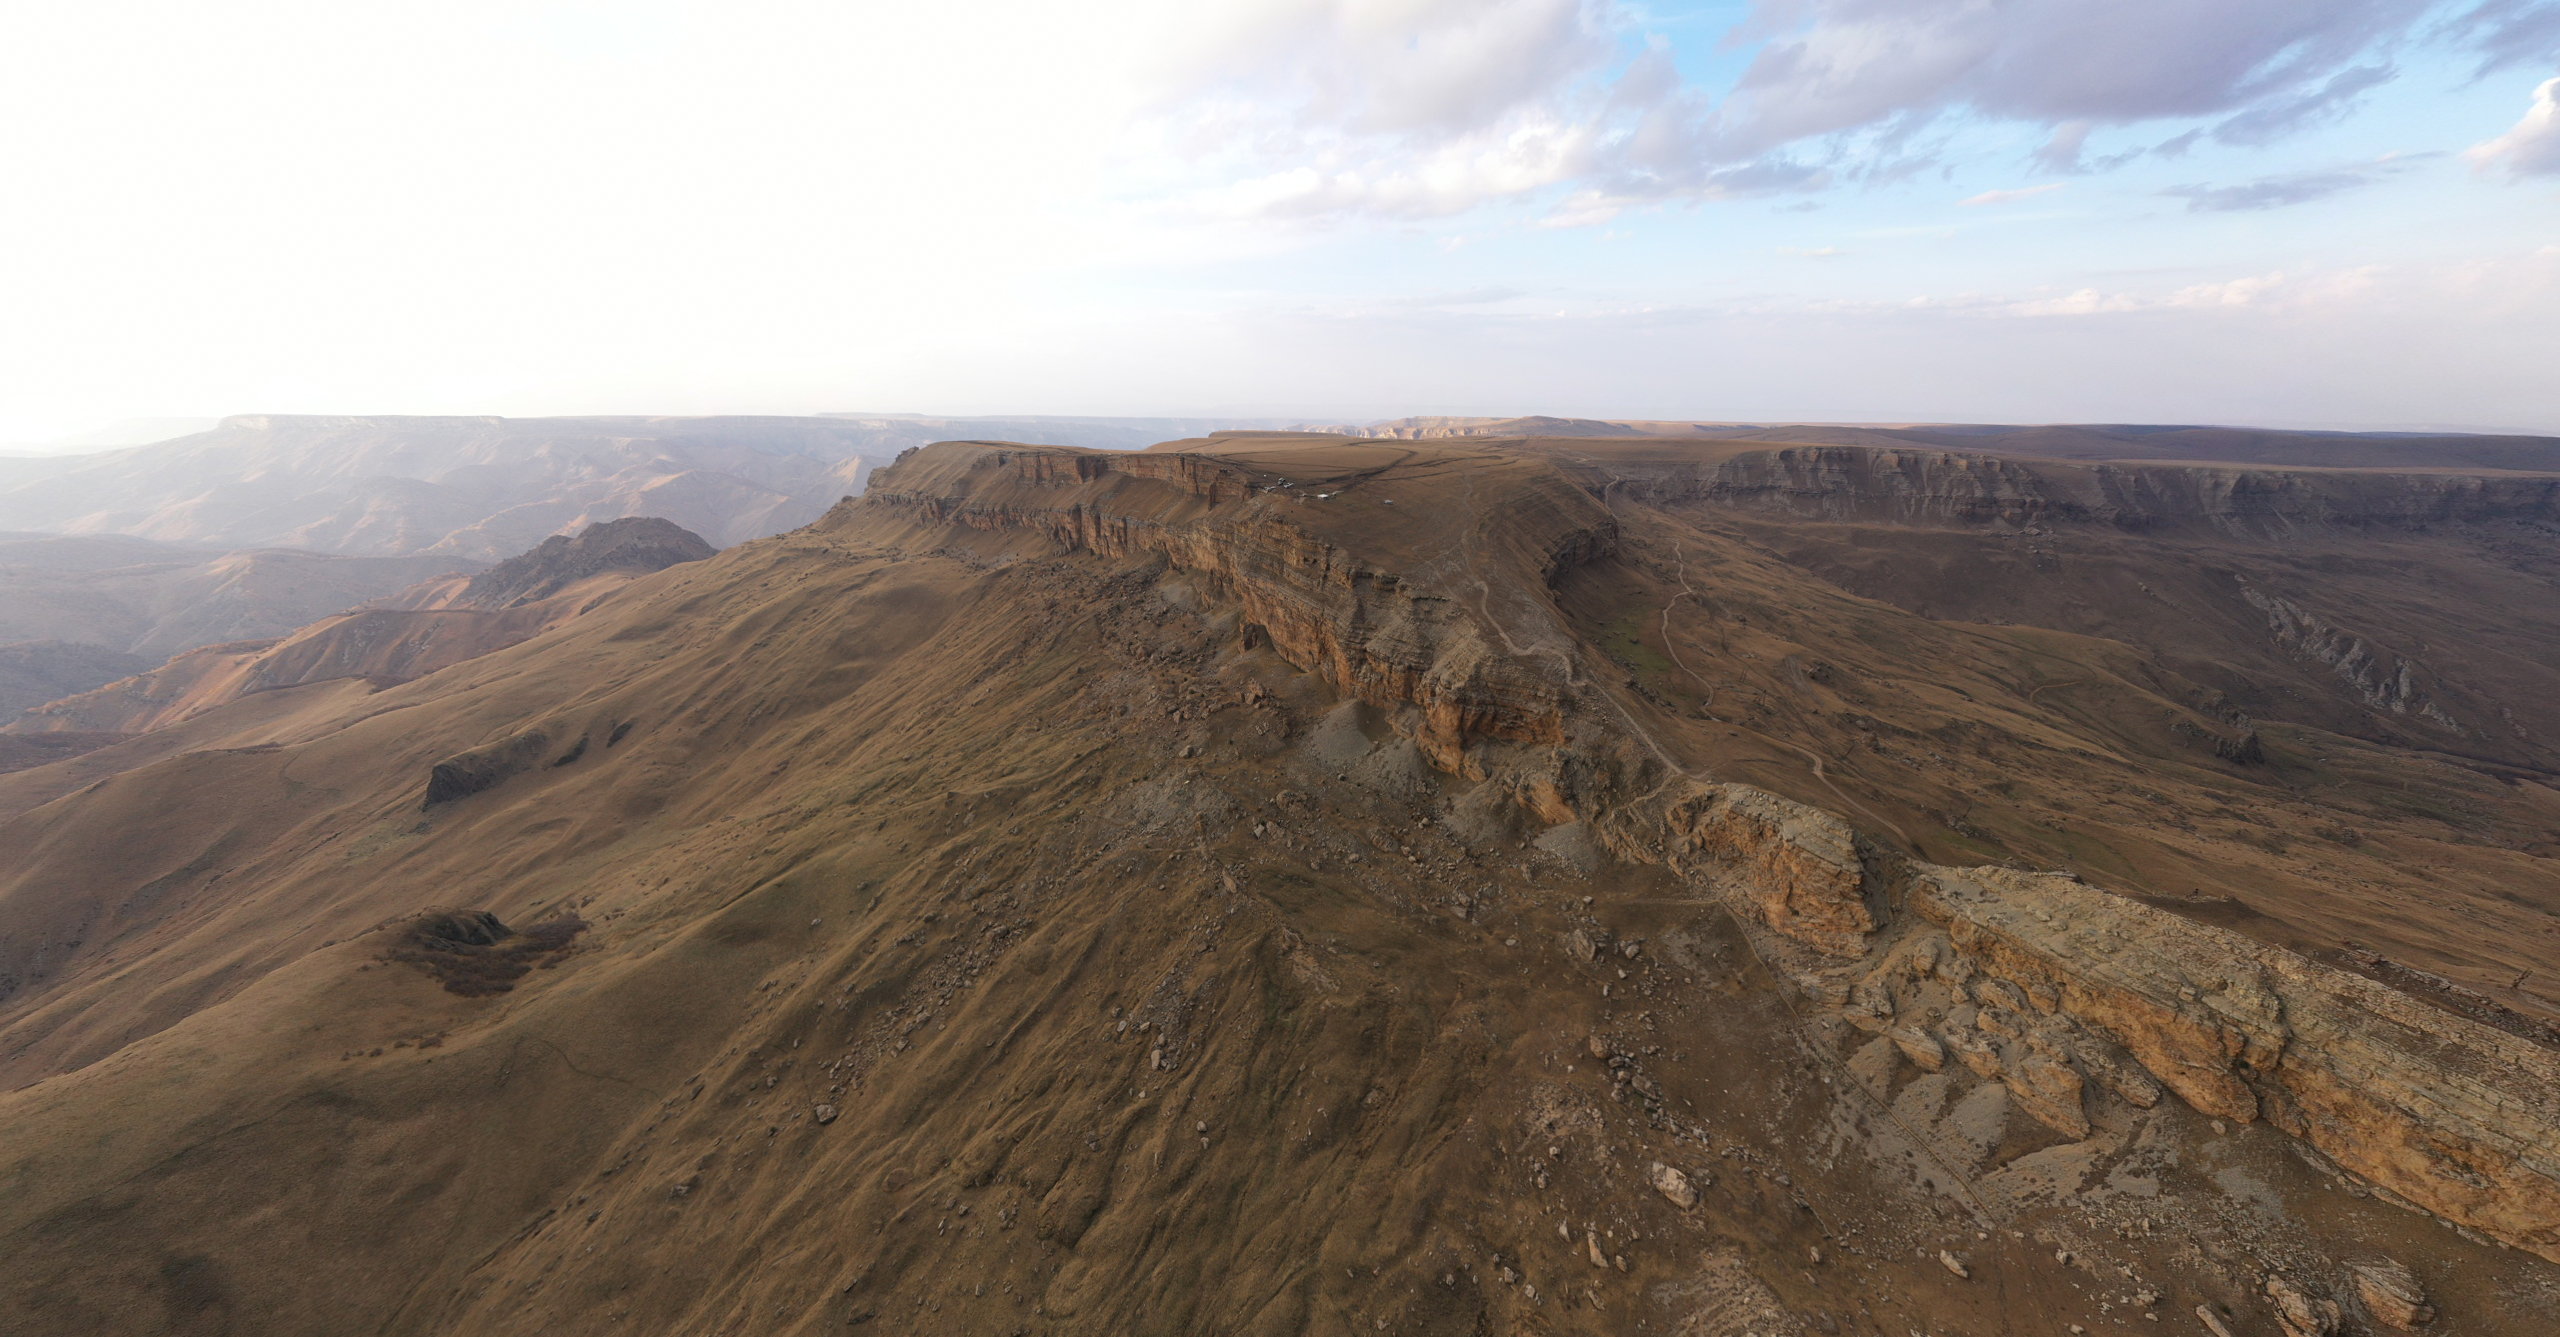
[2007,196]
[1839,65]
[2532,148]
[1299,110]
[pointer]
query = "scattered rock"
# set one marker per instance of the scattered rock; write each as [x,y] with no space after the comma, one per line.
[1674,1185]
[1578,945]
[1951,1264]
[2211,1323]
[824,1114]
[466,773]
[2301,1313]
[2392,1293]
[1591,1245]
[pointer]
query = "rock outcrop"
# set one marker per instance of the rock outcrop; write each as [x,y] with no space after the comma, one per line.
[1254,531]
[639,544]
[485,767]
[1798,868]
[2068,994]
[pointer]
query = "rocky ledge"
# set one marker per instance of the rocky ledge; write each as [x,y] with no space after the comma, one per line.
[2071,996]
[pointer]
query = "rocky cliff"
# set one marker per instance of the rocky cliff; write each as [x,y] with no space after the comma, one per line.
[2067,995]
[1839,482]
[1279,530]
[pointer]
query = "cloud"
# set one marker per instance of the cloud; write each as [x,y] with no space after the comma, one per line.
[2176,146]
[1308,111]
[2277,117]
[2532,148]
[1466,297]
[1831,66]
[2006,196]
[2061,152]
[2509,33]
[2273,192]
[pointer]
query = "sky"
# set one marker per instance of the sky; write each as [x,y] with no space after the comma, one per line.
[2333,213]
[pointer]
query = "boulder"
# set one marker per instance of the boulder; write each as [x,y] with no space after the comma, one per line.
[2391,1293]
[1674,1185]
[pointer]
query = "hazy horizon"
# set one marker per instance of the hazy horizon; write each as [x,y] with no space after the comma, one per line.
[129,433]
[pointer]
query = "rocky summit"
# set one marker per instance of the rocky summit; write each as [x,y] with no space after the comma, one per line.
[1286,882]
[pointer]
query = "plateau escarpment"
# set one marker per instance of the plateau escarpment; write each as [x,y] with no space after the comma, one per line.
[1266,885]
[1278,529]
[2437,1109]
[1915,486]
[2410,607]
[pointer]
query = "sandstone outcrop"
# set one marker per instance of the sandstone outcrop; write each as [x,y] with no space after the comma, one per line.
[2064,992]
[1799,867]
[2391,1293]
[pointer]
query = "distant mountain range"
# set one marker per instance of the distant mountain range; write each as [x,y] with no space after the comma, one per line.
[430,625]
[477,488]
[79,610]
[2054,441]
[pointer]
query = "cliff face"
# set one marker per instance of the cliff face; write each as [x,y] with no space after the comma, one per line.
[1948,487]
[1276,532]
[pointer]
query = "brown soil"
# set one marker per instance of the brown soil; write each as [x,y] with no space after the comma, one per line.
[985,932]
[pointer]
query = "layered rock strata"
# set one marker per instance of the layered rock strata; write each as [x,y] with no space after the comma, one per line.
[2068,994]
[1952,487]
[1385,637]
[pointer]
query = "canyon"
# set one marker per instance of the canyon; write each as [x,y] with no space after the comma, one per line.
[1283,882]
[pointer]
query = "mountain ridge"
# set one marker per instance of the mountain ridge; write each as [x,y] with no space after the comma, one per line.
[1293,885]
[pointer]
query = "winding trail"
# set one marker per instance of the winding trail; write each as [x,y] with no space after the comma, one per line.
[1681,560]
